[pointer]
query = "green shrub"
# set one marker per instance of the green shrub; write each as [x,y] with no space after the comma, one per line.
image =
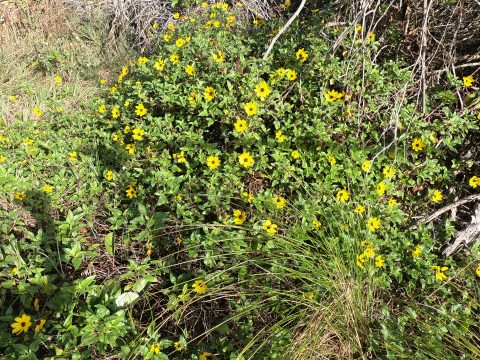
[256,209]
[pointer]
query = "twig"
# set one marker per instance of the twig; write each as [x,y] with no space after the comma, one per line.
[454,205]
[283,29]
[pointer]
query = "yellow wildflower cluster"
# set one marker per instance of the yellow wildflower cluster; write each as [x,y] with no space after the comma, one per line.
[440,272]
[369,253]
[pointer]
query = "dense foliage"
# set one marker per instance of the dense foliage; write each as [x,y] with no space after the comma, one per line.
[219,205]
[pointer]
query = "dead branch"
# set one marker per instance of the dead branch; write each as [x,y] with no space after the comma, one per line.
[465,237]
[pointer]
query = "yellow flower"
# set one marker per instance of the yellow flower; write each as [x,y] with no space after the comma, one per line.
[241,125]
[281,72]
[417,251]
[437,196]
[246,159]
[231,19]
[190,70]
[109,175]
[21,324]
[115,113]
[343,195]
[477,270]
[301,55]
[40,325]
[176,15]
[358,28]
[204,4]
[72,156]
[130,148]
[138,134]
[373,224]
[101,109]
[248,196]
[468,80]
[159,65]
[200,286]
[131,192]
[103,82]
[269,227]
[333,95]
[2,159]
[218,56]
[142,60]
[392,202]
[295,154]
[369,252]
[360,209]
[204,355]
[12,97]
[179,43]
[251,108]
[474,181]
[166,37]
[213,162]
[140,110]
[178,345]
[331,159]
[20,196]
[47,188]
[379,261]
[317,224]
[370,37]
[216,23]
[155,348]
[439,272]
[361,260]
[262,90]
[280,136]
[125,70]
[239,217]
[418,144]
[389,172]
[209,93]
[27,141]
[279,202]
[58,80]
[127,129]
[291,74]
[15,271]
[174,58]
[366,165]
[180,157]
[381,188]
[192,97]
[37,111]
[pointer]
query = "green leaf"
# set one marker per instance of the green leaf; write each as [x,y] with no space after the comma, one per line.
[76,262]
[109,244]
[126,299]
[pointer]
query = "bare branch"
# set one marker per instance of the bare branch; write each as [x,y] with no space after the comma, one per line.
[283,29]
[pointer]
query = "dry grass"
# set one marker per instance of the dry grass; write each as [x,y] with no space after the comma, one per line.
[338,329]
[42,39]
[134,18]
